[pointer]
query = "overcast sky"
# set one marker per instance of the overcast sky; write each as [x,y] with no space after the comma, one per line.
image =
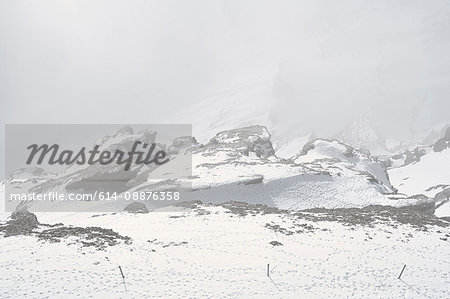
[316,64]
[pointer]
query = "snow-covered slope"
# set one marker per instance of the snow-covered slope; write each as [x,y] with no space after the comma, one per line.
[326,174]
[427,176]
[442,200]
[223,251]
[241,164]
[425,171]
[289,148]
[336,157]
[2,197]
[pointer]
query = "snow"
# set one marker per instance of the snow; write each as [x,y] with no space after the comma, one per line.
[239,105]
[349,160]
[443,210]
[432,170]
[241,165]
[176,252]
[210,252]
[289,149]
[330,175]
[360,134]
[2,197]
[226,256]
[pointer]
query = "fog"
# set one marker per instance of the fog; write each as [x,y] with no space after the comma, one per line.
[316,64]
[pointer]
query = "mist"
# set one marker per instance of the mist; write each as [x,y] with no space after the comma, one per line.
[296,66]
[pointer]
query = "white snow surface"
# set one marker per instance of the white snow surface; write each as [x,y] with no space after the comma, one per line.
[330,175]
[432,170]
[443,210]
[220,255]
[288,149]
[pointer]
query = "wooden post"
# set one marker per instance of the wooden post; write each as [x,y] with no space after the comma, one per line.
[123,278]
[402,272]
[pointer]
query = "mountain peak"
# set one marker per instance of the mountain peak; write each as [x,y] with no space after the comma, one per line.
[361,134]
[254,139]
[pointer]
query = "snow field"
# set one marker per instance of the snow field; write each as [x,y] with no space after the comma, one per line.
[225,255]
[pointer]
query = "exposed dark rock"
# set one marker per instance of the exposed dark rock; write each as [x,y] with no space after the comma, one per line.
[256,180]
[22,222]
[26,223]
[244,209]
[181,143]
[188,204]
[442,143]
[307,147]
[279,229]
[414,156]
[406,158]
[96,237]
[276,243]
[418,216]
[136,207]
[443,195]
[254,139]
[424,208]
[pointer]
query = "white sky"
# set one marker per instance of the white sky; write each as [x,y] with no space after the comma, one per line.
[150,61]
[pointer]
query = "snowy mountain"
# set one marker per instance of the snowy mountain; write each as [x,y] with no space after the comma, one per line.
[432,135]
[317,167]
[242,165]
[289,148]
[325,173]
[360,134]
[343,160]
[31,173]
[425,171]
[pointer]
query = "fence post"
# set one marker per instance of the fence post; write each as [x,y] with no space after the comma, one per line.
[123,278]
[402,272]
